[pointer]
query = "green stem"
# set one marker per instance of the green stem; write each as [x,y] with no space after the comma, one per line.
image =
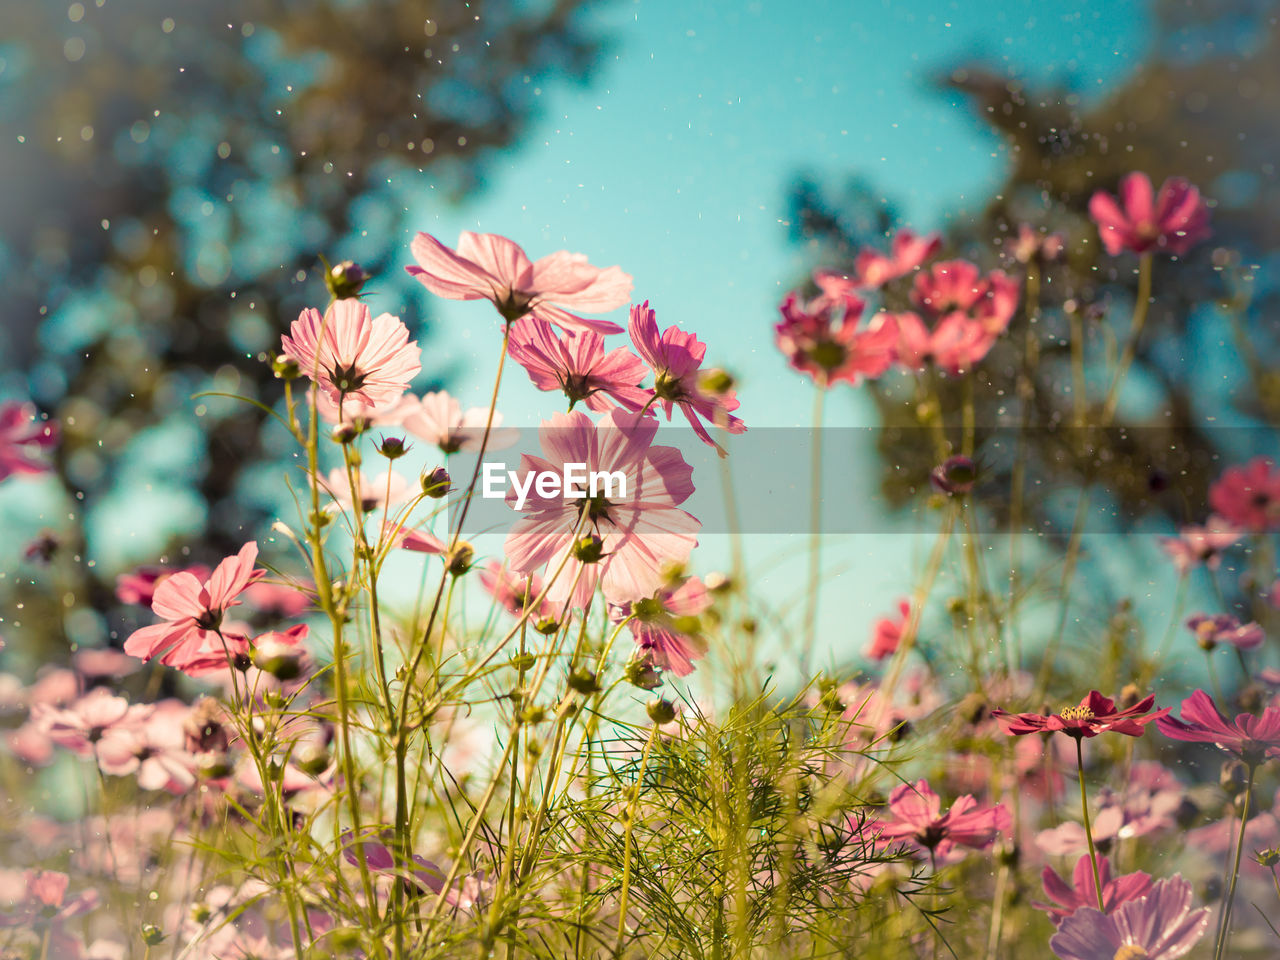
[1224,930]
[815,536]
[1088,829]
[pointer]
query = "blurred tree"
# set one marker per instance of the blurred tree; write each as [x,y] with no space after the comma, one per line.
[173,172]
[1205,386]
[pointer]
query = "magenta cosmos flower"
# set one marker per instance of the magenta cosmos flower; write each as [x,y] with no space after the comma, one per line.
[1174,221]
[189,638]
[918,817]
[1252,739]
[1095,714]
[1158,926]
[887,633]
[823,339]
[1080,892]
[666,628]
[1195,544]
[24,440]
[1249,496]
[675,357]
[640,524]
[1213,629]
[139,586]
[907,252]
[490,267]
[353,355]
[577,365]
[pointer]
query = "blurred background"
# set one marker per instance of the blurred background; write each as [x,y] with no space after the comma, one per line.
[174,171]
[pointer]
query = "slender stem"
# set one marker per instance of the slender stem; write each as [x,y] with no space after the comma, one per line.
[815,535]
[1140,307]
[626,843]
[1224,930]
[1088,829]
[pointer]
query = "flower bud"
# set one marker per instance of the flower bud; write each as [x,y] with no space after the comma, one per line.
[312,759]
[547,626]
[1130,696]
[660,710]
[458,560]
[716,381]
[393,448]
[285,367]
[279,658]
[589,549]
[1233,777]
[345,279]
[213,764]
[956,476]
[640,672]
[1268,858]
[152,935]
[584,681]
[345,433]
[435,483]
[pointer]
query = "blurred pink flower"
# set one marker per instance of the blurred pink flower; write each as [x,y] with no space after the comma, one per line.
[278,599]
[675,357]
[24,440]
[439,419]
[641,527]
[830,347]
[154,750]
[490,267]
[955,345]
[388,413]
[577,364]
[1158,926]
[1250,738]
[386,489]
[513,593]
[908,251]
[190,638]
[139,586]
[1248,497]
[1211,630]
[887,633]
[1174,221]
[45,901]
[1082,892]
[80,726]
[351,354]
[918,817]
[665,626]
[1032,243]
[1200,544]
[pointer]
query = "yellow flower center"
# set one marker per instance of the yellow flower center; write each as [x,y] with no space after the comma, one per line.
[1079,713]
[1130,951]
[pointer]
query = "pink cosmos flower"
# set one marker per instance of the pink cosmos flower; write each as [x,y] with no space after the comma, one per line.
[955,345]
[970,312]
[352,355]
[907,252]
[1032,243]
[1195,545]
[420,541]
[1174,221]
[576,363]
[45,901]
[1211,630]
[139,586]
[1250,738]
[439,419]
[887,633]
[154,750]
[1146,807]
[472,890]
[376,492]
[1158,926]
[489,267]
[24,440]
[1095,714]
[191,638]
[665,626]
[918,817]
[80,726]
[1081,892]
[823,339]
[1248,497]
[675,357]
[640,524]
[513,593]
[361,415]
[277,599]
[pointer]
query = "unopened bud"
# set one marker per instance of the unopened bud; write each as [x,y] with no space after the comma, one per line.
[584,681]
[547,626]
[458,561]
[278,658]
[393,448]
[716,382]
[1269,857]
[345,433]
[640,672]
[660,710]
[152,935]
[956,476]
[312,759]
[435,483]
[1130,696]
[285,367]
[589,549]
[213,764]
[1233,777]
[345,279]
